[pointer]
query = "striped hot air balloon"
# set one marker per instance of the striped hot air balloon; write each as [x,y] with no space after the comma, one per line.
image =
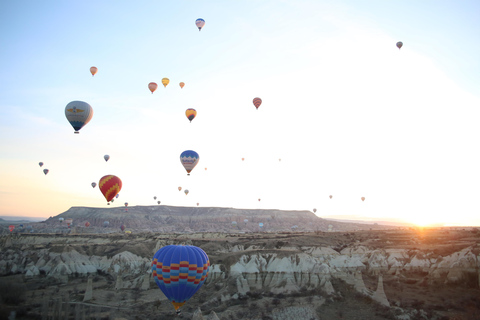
[179,272]
[78,113]
[191,114]
[257,102]
[182,84]
[189,159]
[152,86]
[110,186]
[165,82]
[200,23]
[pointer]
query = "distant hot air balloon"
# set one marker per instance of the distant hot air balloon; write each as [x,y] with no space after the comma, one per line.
[189,159]
[198,204]
[314,210]
[182,84]
[122,227]
[94,184]
[112,200]
[399,45]
[165,82]
[257,102]
[155,198]
[205,169]
[61,219]
[191,114]
[363,198]
[152,86]
[40,164]
[243,159]
[260,224]
[118,195]
[179,188]
[126,205]
[45,171]
[200,23]
[105,224]
[158,202]
[110,185]
[330,196]
[87,224]
[93,70]
[78,113]
[186,192]
[11,227]
[106,157]
[259,199]
[179,271]
[245,221]
[234,223]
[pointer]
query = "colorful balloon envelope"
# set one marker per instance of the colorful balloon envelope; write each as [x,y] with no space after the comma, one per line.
[122,227]
[189,159]
[106,157]
[152,86]
[330,196]
[105,224]
[94,184]
[257,102]
[182,84]
[87,224]
[314,210]
[399,45]
[165,82]
[197,204]
[45,171]
[11,227]
[110,186]
[155,198]
[200,23]
[180,271]
[158,202]
[93,70]
[40,164]
[78,113]
[179,188]
[191,114]
[363,198]
[186,192]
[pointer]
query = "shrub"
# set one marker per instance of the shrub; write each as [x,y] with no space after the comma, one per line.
[12,292]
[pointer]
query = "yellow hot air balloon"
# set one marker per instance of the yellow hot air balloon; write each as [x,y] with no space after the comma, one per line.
[93,70]
[191,114]
[182,84]
[152,86]
[165,82]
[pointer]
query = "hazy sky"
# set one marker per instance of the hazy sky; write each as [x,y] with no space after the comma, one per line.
[346,111]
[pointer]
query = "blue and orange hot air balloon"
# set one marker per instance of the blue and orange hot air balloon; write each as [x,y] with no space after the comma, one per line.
[78,113]
[110,186]
[189,159]
[200,23]
[191,114]
[179,272]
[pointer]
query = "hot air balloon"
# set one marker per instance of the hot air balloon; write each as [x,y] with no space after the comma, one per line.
[118,195]
[94,184]
[243,159]
[87,224]
[260,224]
[189,159]
[61,219]
[105,224]
[110,186]
[259,199]
[182,85]
[245,221]
[186,192]
[152,86]
[399,45]
[257,102]
[93,70]
[45,171]
[158,202]
[330,196]
[155,198]
[191,114]
[78,113]
[165,82]
[126,205]
[200,23]
[363,198]
[40,164]
[198,204]
[179,272]
[314,210]
[106,157]
[112,200]
[179,188]
[205,169]
[122,227]
[11,227]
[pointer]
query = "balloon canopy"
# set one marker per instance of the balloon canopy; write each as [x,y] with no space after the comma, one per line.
[399,45]
[182,84]
[93,70]
[78,113]
[165,82]
[152,86]
[110,186]
[179,272]
[200,23]
[189,160]
[257,102]
[191,114]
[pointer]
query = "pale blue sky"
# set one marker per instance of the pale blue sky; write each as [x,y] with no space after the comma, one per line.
[347,112]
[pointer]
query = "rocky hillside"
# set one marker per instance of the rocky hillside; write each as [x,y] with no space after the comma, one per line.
[407,274]
[194,219]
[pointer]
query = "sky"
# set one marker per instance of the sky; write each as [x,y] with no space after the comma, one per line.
[344,112]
